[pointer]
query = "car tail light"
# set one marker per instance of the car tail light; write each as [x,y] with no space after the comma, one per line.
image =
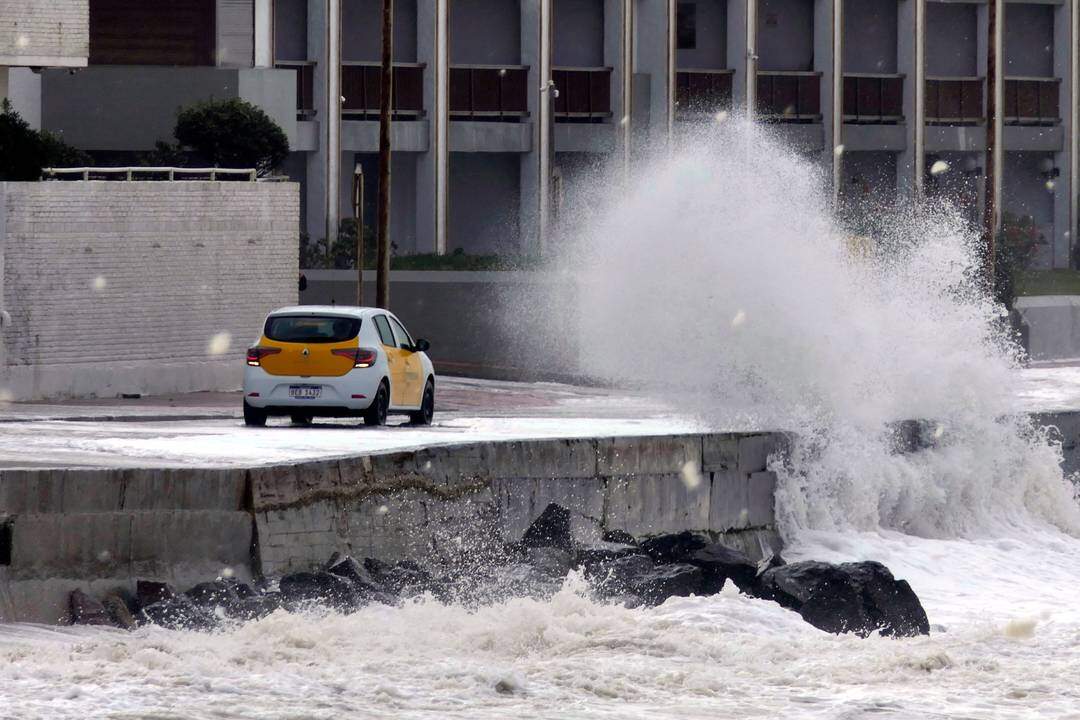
[361,357]
[256,354]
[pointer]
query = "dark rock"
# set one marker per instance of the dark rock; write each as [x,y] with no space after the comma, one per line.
[254,608]
[321,587]
[407,578]
[86,610]
[675,548]
[665,581]
[377,568]
[589,556]
[615,577]
[551,529]
[119,611]
[179,612]
[719,563]
[213,593]
[358,573]
[772,561]
[852,597]
[619,536]
[551,561]
[517,580]
[148,592]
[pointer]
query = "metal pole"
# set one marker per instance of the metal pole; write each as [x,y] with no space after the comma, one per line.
[358,216]
[382,281]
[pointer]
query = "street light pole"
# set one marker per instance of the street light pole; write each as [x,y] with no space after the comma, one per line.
[358,216]
[382,280]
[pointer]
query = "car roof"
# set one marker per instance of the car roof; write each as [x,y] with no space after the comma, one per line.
[333,310]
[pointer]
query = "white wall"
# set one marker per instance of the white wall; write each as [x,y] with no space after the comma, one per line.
[116,287]
[52,33]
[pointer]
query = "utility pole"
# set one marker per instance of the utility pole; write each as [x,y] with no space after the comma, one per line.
[382,281]
[992,140]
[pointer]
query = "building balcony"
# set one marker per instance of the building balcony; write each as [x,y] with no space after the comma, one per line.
[584,94]
[361,87]
[489,92]
[955,100]
[793,97]
[1032,101]
[701,94]
[305,86]
[873,99]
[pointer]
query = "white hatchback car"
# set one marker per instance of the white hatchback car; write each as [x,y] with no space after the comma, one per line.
[335,361]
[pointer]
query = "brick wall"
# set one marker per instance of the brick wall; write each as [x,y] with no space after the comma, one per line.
[53,33]
[121,286]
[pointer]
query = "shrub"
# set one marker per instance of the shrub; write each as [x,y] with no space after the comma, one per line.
[232,134]
[22,153]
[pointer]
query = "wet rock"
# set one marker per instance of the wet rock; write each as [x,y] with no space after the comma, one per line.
[179,613]
[619,536]
[674,548]
[358,573]
[406,579]
[550,529]
[852,597]
[86,610]
[322,587]
[223,591]
[614,577]
[254,608]
[589,556]
[719,563]
[148,592]
[119,611]
[551,561]
[518,580]
[638,576]
[772,561]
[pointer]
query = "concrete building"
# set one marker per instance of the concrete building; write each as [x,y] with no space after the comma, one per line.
[482,143]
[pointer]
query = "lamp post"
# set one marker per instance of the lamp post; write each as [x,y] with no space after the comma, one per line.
[358,216]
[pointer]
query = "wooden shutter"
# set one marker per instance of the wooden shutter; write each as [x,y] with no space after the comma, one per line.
[137,32]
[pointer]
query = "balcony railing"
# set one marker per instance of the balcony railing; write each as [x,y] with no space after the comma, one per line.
[361,88]
[305,86]
[702,93]
[955,100]
[488,92]
[584,93]
[788,96]
[1032,101]
[873,99]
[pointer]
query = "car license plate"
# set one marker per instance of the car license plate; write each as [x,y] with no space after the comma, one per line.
[305,392]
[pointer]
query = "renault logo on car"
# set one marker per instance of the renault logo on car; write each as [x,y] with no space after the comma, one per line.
[305,352]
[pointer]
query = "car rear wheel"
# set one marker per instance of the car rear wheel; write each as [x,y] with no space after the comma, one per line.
[254,416]
[426,413]
[376,413]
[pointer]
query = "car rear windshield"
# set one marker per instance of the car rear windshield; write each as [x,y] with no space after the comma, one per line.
[311,328]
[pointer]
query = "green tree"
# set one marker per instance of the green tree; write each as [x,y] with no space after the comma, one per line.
[232,134]
[22,153]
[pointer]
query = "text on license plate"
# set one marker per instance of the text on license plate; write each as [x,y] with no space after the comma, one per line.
[305,392]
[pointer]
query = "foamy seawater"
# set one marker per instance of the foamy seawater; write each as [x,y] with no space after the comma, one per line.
[1009,648]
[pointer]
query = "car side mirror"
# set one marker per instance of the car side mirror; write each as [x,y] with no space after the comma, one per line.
[421,346]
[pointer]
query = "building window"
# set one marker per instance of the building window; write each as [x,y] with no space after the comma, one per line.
[686,26]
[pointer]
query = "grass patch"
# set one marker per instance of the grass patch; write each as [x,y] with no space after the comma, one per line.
[1048,282]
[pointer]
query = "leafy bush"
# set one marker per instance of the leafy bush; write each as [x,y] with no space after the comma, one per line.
[230,134]
[1017,245]
[25,151]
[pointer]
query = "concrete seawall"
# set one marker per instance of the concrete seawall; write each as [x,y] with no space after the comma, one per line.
[103,529]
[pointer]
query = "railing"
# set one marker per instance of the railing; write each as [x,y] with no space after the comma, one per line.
[955,100]
[584,93]
[788,96]
[493,92]
[702,93]
[361,88]
[130,173]
[1032,101]
[873,98]
[305,86]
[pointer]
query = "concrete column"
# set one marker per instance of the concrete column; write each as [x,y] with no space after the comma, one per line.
[531,165]
[828,60]
[982,50]
[908,36]
[1065,57]
[835,131]
[1073,139]
[316,187]
[997,86]
[264,33]
[672,46]
[546,120]
[652,60]
[737,51]
[332,116]
[431,171]
[918,120]
[3,82]
[617,57]
[629,20]
[750,92]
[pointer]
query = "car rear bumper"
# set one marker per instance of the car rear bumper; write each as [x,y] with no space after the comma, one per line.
[347,393]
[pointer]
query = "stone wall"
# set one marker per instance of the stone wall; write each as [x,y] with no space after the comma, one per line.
[44,33]
[102,529]
[139,287]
